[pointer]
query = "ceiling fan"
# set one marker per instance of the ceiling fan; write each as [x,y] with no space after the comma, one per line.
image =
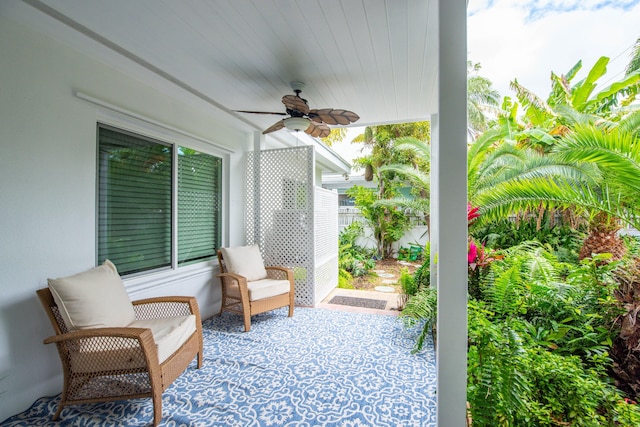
[312,121]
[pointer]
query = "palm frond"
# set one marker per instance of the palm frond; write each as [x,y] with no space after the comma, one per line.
[415,204]
[511,197]
[420,148]
[571,116]
[616,153]
[634,63]
[417,177]
[630,124]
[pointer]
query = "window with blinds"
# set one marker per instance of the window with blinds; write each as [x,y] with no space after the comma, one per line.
[199,202]
[136,202]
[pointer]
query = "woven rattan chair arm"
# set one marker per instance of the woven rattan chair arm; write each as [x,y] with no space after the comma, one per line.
[287,273]
[243,285]
[155,300]
[242,281]
[141,334]
[102,340]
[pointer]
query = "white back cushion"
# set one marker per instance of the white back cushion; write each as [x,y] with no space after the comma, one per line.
[92,299]
[245,261]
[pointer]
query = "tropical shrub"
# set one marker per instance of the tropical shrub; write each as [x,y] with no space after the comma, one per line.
[388,223]
[539,337]
[408,287]
[540,332]
[345,279]
[353,259]
[421,311]
[422,276]
[564,241]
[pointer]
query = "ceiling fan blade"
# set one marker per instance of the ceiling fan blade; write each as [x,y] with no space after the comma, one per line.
[319,130]
[260,112]
[274,127]
[294,102]
[331,116]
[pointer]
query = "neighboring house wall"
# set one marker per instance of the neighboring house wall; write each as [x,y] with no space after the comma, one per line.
[48,197]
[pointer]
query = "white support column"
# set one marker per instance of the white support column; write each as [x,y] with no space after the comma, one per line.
[258,142]
[434,222]
[452,214]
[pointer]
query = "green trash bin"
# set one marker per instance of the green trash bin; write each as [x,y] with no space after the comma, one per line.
[414,252]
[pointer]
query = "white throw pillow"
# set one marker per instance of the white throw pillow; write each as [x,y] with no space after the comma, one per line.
[245,261]
[92,299]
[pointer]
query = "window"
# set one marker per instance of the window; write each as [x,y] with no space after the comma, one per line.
[137,202]
[199,177]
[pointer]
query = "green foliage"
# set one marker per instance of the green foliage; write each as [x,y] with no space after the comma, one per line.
[496,384]
[540,323]
[353,259]
[395,150]
[422,276]
[564,241]
[345,279]
[388,223]
[538,343]
[421,309]
[407,282]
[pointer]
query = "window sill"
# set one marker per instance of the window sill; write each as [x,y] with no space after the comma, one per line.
[159,279]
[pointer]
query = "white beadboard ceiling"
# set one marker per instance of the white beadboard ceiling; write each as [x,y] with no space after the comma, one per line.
[374,57]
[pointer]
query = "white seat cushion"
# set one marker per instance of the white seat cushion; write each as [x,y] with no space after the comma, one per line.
[245,261]
[92,299]
[261,289]
[169,333]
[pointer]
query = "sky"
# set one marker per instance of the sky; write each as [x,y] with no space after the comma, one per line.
[528,39]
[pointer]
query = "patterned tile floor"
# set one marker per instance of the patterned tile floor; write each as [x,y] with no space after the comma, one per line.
[325,368]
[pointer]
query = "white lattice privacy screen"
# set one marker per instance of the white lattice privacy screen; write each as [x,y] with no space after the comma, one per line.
[295,224]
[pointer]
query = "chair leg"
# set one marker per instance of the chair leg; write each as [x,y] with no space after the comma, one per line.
[57,414]
[290,310]
[247,320]
[157,408]
[200,358]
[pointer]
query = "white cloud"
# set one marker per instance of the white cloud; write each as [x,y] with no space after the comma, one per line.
[527,40]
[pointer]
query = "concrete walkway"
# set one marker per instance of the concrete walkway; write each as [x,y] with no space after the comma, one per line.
[391,299]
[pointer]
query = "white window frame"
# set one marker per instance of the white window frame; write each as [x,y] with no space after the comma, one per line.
[120,118]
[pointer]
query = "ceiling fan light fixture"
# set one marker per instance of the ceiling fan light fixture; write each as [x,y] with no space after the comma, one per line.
[297,123]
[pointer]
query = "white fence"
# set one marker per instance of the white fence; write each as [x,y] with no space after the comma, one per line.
[418,234]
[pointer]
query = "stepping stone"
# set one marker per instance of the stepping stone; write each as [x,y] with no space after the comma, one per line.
[388,282]
[386,275]
[379,271]
[387,289]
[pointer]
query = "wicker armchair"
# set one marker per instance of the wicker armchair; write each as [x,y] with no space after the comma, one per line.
[248,287]
[125,362]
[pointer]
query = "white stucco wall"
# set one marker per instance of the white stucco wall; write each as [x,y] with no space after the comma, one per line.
[47,197]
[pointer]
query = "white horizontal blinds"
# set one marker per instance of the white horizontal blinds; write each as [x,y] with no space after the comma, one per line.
[134,201]
[199,205]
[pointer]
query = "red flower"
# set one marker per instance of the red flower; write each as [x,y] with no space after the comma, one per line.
[472,213]
[472,254]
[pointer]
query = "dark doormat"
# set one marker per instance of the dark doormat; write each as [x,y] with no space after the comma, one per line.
[359,302]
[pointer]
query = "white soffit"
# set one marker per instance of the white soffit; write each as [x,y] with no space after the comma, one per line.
[376,58]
